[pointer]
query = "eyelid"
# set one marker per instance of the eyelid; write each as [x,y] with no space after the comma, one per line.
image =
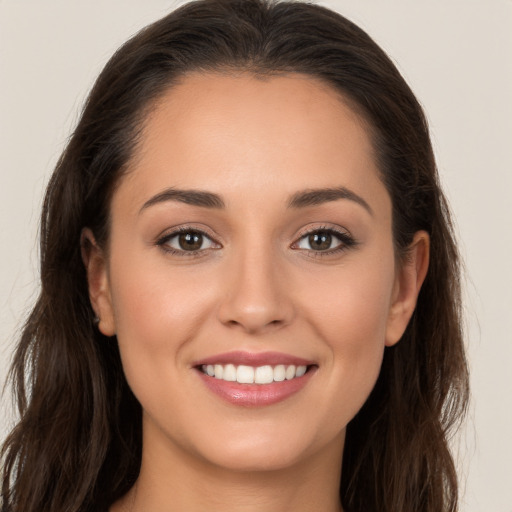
[163,239]
[347,241]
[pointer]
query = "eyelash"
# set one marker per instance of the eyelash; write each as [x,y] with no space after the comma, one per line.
[164,240]
[346,241]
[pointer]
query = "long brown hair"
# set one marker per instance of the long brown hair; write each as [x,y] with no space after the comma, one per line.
[77,446]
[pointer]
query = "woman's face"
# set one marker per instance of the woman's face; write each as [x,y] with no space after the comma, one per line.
[251,239]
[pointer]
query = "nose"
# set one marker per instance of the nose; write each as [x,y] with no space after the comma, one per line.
[256,298]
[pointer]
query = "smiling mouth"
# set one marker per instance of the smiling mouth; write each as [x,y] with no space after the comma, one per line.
[244,374]
[248,379]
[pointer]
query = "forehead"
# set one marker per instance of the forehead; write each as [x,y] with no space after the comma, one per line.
[247,134]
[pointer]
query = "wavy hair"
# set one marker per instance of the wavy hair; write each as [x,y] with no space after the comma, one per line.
[77,445]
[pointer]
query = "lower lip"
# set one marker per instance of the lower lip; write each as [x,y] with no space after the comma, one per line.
[256,395]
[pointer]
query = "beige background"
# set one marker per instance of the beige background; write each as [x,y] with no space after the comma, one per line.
[457,56]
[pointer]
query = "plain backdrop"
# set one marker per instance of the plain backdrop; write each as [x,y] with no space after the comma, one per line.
[456,55]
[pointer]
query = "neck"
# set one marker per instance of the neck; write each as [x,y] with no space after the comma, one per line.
[172,479]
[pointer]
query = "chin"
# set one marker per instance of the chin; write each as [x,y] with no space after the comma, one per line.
[250,460]
[265,449]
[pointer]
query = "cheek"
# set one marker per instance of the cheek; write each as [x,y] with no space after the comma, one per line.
[157,311]
[349,313]
[351,304]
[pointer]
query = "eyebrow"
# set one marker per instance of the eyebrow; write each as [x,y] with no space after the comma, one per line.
[301,199]
[317,196]
[192,197]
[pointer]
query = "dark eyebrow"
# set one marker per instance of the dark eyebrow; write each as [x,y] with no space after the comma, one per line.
[317,196]
[193,197]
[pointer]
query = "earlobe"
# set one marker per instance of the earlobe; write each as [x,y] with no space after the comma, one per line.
[95,263]
[409,279]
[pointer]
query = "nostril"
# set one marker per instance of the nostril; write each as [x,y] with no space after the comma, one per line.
[253,322]
[255,310]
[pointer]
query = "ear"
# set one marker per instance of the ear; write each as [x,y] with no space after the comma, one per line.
[409,278]
[96,267]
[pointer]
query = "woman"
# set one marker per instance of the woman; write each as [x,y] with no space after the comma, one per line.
[250,292]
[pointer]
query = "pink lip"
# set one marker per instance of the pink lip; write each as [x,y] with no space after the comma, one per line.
[255,395]
[254,359]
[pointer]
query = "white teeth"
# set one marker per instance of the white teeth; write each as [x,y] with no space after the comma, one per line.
[249,375]
[263,375]
[301,370]
[290,372]
[219,371]
[229,373]
[280,372]
[245,374]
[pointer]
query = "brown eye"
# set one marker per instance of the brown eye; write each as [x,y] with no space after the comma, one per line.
[320,241]
[190,241]
[326,241]
[187,241]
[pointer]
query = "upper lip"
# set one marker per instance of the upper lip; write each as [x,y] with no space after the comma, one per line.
[254,359]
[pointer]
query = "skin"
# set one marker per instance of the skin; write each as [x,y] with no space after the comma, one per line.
[258,286]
